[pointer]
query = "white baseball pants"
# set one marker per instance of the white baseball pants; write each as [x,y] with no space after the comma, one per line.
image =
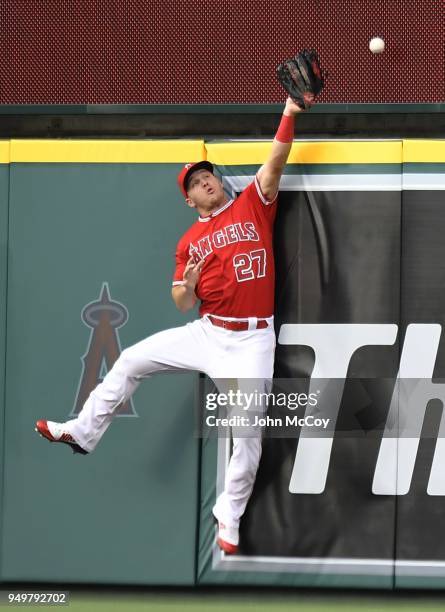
[201,346]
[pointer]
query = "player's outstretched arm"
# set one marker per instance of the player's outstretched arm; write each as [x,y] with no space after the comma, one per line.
[269,174]
[184,295]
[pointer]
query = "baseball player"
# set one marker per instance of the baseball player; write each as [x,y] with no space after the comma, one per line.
[225,260]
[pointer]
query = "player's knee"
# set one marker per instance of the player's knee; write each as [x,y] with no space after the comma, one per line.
[125,360]
[131,363]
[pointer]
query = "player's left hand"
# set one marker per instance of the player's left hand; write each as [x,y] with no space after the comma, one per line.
[192,272]
[292,107]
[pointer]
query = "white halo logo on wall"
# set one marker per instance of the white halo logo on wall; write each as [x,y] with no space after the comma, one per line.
[104,317]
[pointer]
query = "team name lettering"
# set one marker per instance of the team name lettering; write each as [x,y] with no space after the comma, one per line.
[237,232]
[204,246]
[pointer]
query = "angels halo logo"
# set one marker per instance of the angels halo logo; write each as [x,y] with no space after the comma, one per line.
[104,316]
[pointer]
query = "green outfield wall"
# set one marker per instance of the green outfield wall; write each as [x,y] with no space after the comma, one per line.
[4,209]
[87,236]
[78,222]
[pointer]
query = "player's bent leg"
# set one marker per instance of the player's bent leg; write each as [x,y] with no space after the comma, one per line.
[181,348]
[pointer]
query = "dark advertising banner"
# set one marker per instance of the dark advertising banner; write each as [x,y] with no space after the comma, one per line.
[420,527]
[359,300]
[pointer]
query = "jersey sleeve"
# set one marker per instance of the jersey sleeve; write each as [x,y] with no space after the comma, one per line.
[254,194]
[256,200]
[181,262]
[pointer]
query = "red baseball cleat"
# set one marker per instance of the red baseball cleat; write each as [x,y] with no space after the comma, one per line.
[54,432]
[228,539]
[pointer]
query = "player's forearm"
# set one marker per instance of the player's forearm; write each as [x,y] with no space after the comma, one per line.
[184,297]
[278,156]
[282,143]
[270,173]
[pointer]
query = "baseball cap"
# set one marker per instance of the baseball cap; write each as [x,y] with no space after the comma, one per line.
[185,173]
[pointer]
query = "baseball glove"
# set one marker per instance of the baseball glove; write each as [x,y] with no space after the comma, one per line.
[301,75]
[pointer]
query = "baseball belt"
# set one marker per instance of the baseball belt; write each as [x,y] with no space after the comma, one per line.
[237,325]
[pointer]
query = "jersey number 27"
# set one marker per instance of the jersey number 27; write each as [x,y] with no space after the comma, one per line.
[250,265]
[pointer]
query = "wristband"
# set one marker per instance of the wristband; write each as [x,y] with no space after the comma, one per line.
[285,132]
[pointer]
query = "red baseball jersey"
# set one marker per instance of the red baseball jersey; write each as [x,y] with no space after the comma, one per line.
[238,276]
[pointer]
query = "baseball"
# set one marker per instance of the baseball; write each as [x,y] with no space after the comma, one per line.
[377,45]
